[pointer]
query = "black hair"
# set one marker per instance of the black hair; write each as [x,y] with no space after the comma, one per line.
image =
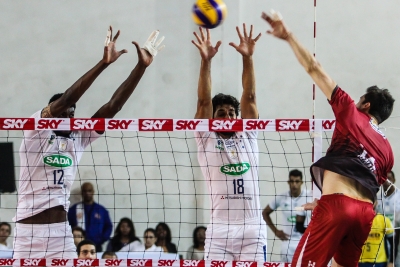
[82,243]
[109,253]
[296,173]
[80,229]
[392,172]
[381,103]
[195,241]
[165,226]
[57,96]
[221,99]
[150,230]
[5,223]
[116,240]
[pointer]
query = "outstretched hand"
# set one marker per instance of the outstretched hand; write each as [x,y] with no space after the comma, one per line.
[110,52]
[144,56]
[279,28]
[207,50]
[247,44]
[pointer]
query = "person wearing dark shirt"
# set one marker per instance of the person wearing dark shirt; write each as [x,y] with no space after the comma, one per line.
[92,217]
[350,174]
[124,234]
[164,238]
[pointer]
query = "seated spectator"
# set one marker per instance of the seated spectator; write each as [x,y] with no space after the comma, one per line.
[92,217]
[5,231]
[79,235]
[150,239]
[164,238]
[86,249]
[373,252]
[124,234]
[196,252]
[109,255]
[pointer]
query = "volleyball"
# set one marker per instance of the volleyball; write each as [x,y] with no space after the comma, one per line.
[209,13]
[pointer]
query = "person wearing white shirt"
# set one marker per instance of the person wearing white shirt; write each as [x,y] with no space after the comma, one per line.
[5,230]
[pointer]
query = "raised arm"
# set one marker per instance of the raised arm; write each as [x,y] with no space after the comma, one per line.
[207,52]
[125,90]
[74,93]
[246,49]
[306,59]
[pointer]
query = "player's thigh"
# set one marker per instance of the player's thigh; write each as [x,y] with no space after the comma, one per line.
[218,245]
[61,242]
[252,245]
[29,242]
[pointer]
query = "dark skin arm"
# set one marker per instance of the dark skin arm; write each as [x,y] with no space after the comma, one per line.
[74,93]
[279,233]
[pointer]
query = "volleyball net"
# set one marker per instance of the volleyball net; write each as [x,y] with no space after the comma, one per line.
[147,170]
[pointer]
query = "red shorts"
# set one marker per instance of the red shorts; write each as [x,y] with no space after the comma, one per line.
[339,227]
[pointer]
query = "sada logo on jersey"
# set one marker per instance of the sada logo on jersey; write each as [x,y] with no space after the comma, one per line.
[235,169]
[58,160]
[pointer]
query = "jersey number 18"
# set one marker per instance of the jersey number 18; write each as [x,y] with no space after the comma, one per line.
[238,186]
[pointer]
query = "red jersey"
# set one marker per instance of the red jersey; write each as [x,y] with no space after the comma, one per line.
[359,150]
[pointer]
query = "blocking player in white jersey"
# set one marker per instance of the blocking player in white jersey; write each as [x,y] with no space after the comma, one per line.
[229,160]
[49,161]
[287,201]
[388,203]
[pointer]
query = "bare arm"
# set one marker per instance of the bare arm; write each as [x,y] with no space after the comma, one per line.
[306,59]
[246,49]
[207,52]
[266,215]
[74,93]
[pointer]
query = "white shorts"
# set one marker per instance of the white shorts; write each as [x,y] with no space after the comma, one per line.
[236,242]
[288,248]
[44,241]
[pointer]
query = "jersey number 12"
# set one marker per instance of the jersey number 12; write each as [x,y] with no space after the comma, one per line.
[60,176]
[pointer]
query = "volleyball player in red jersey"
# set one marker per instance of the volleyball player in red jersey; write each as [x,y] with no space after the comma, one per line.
[352,170]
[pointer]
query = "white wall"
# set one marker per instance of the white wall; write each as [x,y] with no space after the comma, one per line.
[47,45]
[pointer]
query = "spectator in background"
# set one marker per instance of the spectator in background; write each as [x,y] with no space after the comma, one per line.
[164,238]
[78,234]
[196,252]
[287,201]
[5,231]
[92,217]
[374,250]
[388,204]
[109,255]
[150,238]
[86,249]
[124,234]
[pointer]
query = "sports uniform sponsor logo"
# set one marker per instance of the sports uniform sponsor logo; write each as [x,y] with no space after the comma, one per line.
[194,263]
[58,160]
[166,262]
[236,197]
[155,125]
[118,124]
[244,264]
[33,262]
[235,169]
[59,262]
[140,262]
[256,124]
[369,162]
[292,125]
[291,219]
[186,124]
[112,262]
[218,263]
[49,124]
[4,262]
[86,262]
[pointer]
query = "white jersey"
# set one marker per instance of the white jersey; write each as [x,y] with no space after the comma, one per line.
[230,168]
[48,167]
[390,206]
[287,204]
